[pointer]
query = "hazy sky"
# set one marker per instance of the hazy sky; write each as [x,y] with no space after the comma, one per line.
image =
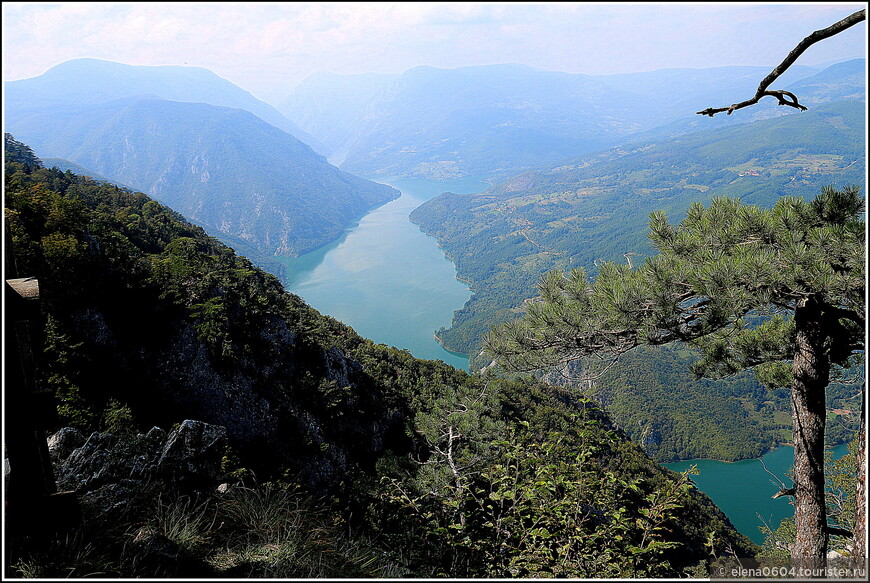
[268,47]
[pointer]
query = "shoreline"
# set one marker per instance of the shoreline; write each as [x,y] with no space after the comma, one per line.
[769,450]
[453,352]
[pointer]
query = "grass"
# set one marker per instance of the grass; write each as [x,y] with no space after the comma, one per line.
[67,556]
[183,521]
[269,531]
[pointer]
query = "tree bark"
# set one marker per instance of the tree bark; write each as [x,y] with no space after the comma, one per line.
[811,369]
[860,541]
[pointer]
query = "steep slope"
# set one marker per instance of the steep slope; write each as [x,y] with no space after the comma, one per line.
[82,82]
[846,80]
[143,309]
[597,207]
[333,107]
[243,179]
[477,120]
[65,165]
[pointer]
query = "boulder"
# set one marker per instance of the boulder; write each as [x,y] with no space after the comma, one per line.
[110,471]
[193,452]
[64,442]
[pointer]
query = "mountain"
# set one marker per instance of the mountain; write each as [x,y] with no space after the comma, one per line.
[81,82]
[431,122]
[680,92]
[496,120]
[333,106]
[845,81]
[151,323]
[596,207]
[242,178]
[66,165]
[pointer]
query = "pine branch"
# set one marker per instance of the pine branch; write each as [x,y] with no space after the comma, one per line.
[785,97]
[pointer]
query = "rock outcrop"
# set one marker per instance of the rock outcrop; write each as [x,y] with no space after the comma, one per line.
[112,472]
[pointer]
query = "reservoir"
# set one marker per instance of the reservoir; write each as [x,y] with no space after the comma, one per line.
[391,283]
[385,278]
[743,490]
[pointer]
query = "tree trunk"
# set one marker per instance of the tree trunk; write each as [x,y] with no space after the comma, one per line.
[860,541]
[811,370]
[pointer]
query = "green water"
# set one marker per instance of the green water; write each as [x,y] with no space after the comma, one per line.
[387,279]
[391,283]
[743,489]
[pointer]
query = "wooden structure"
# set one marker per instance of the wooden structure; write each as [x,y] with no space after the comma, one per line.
[32,504]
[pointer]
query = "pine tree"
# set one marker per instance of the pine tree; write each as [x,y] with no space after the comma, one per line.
[778,290]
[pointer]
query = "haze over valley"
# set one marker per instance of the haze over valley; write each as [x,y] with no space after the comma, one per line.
[338,271]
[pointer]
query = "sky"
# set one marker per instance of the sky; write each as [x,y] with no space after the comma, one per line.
[267,48]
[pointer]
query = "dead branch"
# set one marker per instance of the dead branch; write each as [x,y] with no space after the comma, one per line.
[785,97]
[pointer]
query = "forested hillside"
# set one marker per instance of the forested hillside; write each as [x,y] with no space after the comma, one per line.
[430,470]
[596,208]
[246,181]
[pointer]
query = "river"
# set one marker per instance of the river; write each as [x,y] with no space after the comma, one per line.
[743,489]
[385,278]
[392,283]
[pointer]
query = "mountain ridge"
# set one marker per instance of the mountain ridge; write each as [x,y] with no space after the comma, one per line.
[428,122]
[303,400]
[91,81]
[223,167]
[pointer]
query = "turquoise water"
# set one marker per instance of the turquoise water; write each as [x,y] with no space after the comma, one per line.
[743,489]
[391,283]
[387,279]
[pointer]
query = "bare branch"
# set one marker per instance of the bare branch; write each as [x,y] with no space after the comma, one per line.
[785,97]
[783,491]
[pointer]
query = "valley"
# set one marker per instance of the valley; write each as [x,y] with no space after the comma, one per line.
[477,321]
[385,278]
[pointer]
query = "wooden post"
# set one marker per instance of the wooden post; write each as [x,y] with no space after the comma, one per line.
[33,505]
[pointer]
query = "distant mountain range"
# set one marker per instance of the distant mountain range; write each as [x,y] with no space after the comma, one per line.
[248,182]
[231,163]
[93,81]
[496,120]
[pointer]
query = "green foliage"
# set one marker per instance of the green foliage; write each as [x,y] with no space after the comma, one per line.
[70,555]
[725,281]
[503,514]
[216,536]
[118,418]
[238,176]
[840,487]
[777,540]
[143,297]
[183,521]
[717,270]
[595,208]
[669,412]
[15,151]
[269,531]
[719,267]
[545,509]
